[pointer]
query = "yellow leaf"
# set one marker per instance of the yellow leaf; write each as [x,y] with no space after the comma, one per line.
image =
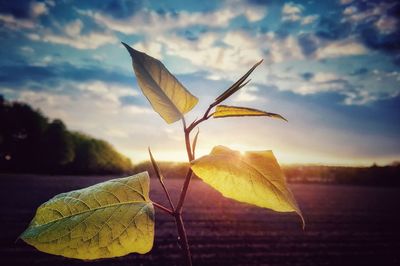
[231,111]
[169,98]
[253,178]
[110,219]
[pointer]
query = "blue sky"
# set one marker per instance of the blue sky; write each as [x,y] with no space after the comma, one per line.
[332,68]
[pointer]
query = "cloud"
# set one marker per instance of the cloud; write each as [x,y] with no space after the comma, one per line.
[345,2]
[254,14]
[13,23]
[292,11]
[375,24]
[347,47]
[235,50]
[150,22]
[354,90]
[55,73]
[72,35]
[308,83]
[25,15]
[332,29]
[309,19]
[27,49]
[362,13]
[153,49]
[247,94]
[386,24]
[324,77]
[39,9]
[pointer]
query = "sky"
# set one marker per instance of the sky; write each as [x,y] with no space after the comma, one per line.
[332,68]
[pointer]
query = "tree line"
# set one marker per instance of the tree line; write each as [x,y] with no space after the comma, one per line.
[32,143]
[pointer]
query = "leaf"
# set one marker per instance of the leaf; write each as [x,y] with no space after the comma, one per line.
[194,144]
[110,219]
[168,97]
[253,178]
[236,86]
[155,167]
[222,111]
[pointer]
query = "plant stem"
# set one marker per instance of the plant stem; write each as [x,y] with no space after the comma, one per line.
[183,238]
[184,191]
[178,210]
[163,208]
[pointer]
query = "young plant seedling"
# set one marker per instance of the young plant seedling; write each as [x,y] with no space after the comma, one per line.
[116,217]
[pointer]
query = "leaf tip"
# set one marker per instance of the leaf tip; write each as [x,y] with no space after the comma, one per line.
[303,222]
[124,44]
[130,49]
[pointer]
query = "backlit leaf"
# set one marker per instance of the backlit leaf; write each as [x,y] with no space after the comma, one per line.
[237,85]
[110,219]
[234,111]
[254,177]
[169,98]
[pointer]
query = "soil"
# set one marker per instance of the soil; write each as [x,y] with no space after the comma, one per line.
[345,225]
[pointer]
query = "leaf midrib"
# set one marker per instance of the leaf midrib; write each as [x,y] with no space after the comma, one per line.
[171,103]
[92,210]
[274,188]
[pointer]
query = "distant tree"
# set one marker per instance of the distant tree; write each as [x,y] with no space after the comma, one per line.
[29,143]
[57,147]
[97,156]
[21,131]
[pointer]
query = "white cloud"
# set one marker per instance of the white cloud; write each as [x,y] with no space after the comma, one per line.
[254,14]
[309,19]
[349,10]
[369,14]
[74,28]
[106,91]
[150,22]
[280,50]
[325,77]
[33,36]
[72,36]
[291,12]
[347,47]
[247,94]
[345,2]
[38,9]
[13,23]
[240,49]
[27,49]
[386,24]
[153,49]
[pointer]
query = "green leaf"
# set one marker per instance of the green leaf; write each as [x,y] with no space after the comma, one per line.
[236,86]
[253,178]
[110,219]
[233,111]
[169,98]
